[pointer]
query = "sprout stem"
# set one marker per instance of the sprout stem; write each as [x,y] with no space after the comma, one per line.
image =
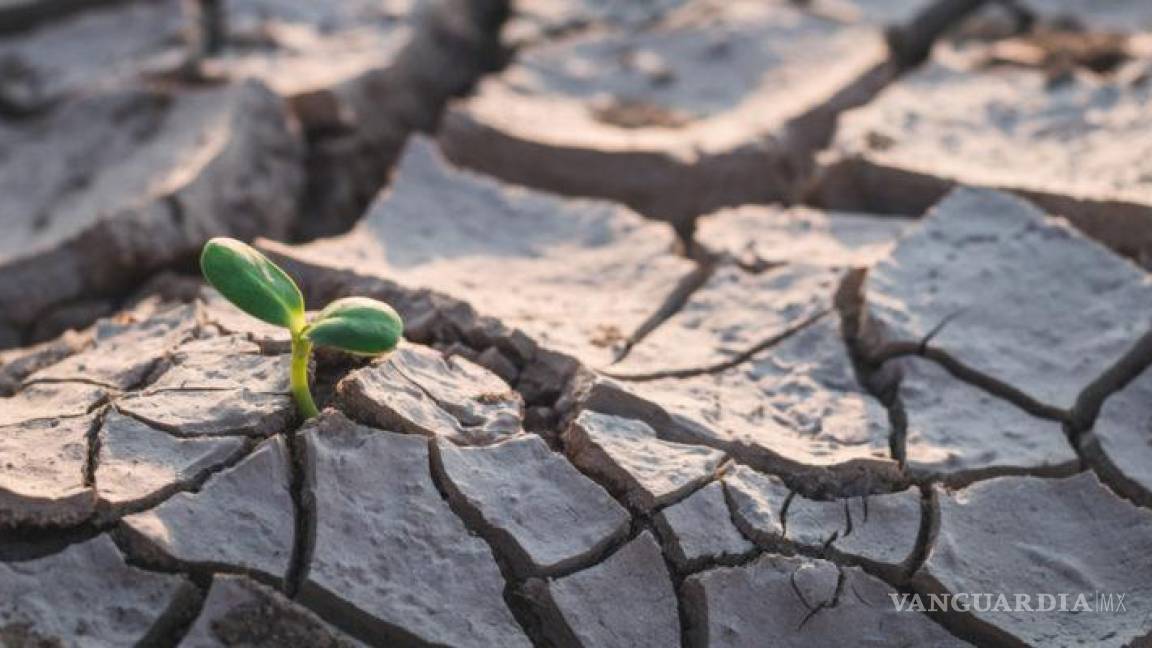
[301,351]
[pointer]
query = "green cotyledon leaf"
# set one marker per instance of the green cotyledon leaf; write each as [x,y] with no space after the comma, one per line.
[252,282]
[357,325]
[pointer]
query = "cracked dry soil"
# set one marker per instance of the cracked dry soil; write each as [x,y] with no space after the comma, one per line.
[727,324]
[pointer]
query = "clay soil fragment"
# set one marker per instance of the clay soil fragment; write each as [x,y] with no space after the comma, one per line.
[627,455]
[540,512]
[699,529]
[795,408]
[138,464]
[717,105]
[794,602]
[1118,444]
[1034,309]
[380,526]
[958,432]
[42,466]
[239,611]
[600,605]
[1008,128]
[241,520]
[1049,535]
[418,390]
[87,595]
[762,236]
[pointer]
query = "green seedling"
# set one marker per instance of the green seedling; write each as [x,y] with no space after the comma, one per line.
[262,289]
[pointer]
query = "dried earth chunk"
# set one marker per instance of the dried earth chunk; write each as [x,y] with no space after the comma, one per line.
[599,606]
[380,525]
[794,602]
[794,409]
[418,390]
[243,519]
[1119,443]
[760,237]
[139,465]
[242,612]
[699,529]
[42,480]
[1076,148]
[627,455]
[1070,313]
[533,505]
[87,595]
[714,107]
[734,313]
[958,432]
[1048,535]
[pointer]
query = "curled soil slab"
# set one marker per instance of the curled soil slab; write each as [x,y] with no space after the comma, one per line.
[881,531]
[124,350]
[420,391]
[224,363]
[138,465]
[757,502]
[1007,128]
[1048,535]
[734,313]
[17,364]
[45,401]
[1053,335]
[719,105]
[43,480]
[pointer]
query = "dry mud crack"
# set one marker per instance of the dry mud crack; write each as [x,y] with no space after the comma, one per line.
[754,424]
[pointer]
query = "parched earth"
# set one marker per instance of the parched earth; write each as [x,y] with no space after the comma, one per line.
[727,324]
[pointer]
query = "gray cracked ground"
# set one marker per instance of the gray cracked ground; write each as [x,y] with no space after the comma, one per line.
[665,516]
[119,165]
[744,477]
[687,444]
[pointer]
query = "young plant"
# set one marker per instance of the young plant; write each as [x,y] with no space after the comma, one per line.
[260,288]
